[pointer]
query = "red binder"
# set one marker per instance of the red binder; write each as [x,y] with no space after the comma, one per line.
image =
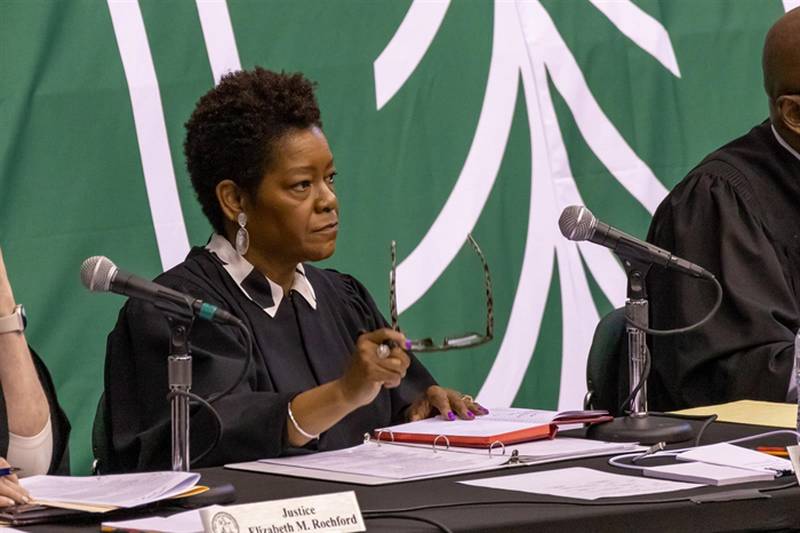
[487,439]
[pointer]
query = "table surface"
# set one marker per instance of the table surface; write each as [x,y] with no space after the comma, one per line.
[467,508]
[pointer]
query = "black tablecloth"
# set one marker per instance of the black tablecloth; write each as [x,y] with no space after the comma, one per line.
[487,510]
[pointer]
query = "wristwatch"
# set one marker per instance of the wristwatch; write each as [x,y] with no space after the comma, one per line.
[15,322]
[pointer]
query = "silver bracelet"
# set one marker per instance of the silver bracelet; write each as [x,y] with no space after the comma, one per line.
[296,425]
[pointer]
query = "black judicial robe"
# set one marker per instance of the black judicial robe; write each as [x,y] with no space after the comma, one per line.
[59,463]
[736,214]
[295,351]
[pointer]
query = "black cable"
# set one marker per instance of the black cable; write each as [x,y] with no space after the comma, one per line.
[623,408]
[216,396]
[431,521]
[217,420]
[243,374]
[707,421]
[684,329]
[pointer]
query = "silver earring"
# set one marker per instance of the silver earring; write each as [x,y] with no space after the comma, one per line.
[242,236]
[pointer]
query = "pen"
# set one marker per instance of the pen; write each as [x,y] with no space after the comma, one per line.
[777,451]
[657,447]
[7,471]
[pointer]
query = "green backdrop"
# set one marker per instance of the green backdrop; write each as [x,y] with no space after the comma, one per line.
[443,119]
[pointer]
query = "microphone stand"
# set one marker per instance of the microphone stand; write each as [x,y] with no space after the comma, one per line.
[180,382]
[638,425]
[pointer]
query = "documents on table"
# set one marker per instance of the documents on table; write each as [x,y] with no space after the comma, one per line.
[757,413]
[580,483]
[501,426]
[375,463]
[390,462]
[731,455]
[106,493]
[553,450]
[707,474]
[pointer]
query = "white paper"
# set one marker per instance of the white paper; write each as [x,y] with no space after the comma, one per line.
[730,455]
[121,490]
[544,449]
[581,483]
[186,522]
[391,461]
[479,427]
[708,474]
[794,457]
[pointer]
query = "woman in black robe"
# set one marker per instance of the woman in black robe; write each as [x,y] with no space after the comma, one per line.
[326,368]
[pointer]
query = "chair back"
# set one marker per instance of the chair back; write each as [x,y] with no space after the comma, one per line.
[607,378]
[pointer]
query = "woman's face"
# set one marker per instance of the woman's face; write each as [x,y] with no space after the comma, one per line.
[294,216]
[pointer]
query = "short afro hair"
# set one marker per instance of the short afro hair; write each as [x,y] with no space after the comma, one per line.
[235,128]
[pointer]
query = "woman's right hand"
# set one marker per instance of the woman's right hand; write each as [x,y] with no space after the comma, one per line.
[368,372]
[11,492]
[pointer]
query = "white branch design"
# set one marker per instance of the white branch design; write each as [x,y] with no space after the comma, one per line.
[407,48]
[215,21]
[526,42]
[151,132]
[648,33]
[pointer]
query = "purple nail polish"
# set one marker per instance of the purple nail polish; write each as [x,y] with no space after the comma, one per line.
[451,415]
[408,345]
[485,410]
[470,415]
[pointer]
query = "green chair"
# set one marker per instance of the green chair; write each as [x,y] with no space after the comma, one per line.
[607,378]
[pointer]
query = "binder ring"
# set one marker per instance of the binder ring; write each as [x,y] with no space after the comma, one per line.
[381,432]
[446,441]
[502,447]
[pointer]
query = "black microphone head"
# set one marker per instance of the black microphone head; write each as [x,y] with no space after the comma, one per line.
[577,223]
[97,272]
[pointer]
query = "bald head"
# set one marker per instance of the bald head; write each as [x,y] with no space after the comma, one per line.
[781,63]
[781,60]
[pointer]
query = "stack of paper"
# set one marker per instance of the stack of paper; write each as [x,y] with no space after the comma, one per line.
[757,413]
[374,463]
[730,455]
[707,474]
[100,494]
[581,483]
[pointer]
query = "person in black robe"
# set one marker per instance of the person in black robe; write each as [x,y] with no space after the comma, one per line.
[736,214]
[34,431]
[325,367]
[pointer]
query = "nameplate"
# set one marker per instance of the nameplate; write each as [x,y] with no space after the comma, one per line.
[327,512]
[794,456]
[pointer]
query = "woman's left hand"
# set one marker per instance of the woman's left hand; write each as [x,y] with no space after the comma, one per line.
[450,403]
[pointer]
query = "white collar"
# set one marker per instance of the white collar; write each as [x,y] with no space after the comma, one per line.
[783,143]
[240,270]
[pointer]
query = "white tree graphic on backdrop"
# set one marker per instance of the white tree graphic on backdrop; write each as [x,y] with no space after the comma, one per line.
[527,45]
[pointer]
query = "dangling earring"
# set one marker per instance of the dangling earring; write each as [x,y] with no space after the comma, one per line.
[242,236]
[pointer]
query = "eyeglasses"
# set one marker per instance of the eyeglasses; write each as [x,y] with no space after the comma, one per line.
[467,340]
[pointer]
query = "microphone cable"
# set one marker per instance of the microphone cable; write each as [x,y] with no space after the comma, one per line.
[207,402]
[684,329]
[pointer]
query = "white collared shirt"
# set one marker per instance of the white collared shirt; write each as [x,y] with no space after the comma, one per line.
[783,143]
[240,269]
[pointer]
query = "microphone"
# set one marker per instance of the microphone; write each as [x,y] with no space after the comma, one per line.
[579,224]
[100,274]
